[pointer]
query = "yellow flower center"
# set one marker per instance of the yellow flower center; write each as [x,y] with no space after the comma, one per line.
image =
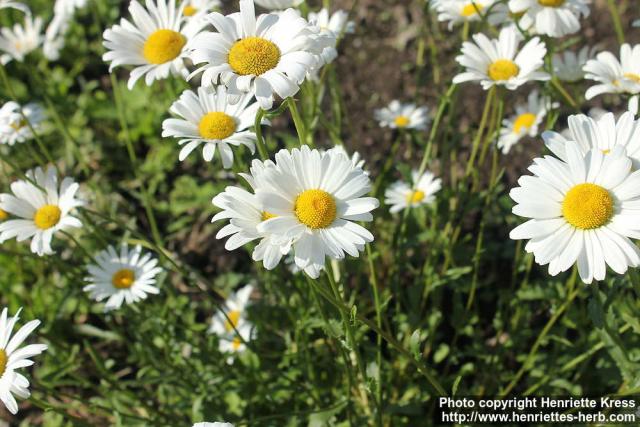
[47,216]
[123,279]
[163,46]
[3,361]
[234,318]
[402,121]
[253,56]
[503,69]
[190,10]
[18,125]
[632,76]
[236,343]
[217,125]
[606,151]
[525,121]
[266,215]
[587,206]
[315,208]
[415,197]
[3,215]
[551,3]
[470,9]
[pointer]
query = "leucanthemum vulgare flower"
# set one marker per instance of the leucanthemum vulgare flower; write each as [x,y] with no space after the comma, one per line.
[194,8]
[398,115]
[568,65]
[12,358]
[278,4]
[460,11]
[156,42]
[263,56]
[209,119]
[603,133]
[525,122]
[498,61]
[124,276]
[421,191]
[19,41]
[42,210]
[333,26]
[244,212]
[14,124]
[583,210]
[614,76]
[315,199]
[216,424]
[501,16]
[15,5]
[554,18]
[235,322]
[63,12]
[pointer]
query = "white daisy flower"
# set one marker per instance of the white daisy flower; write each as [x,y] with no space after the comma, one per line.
[498,62]
[525,122]
[602,133]
[193,8]
[12,358]
[612,75]
[568,65]
[225,327]
[15,5]
[264,56]
[208,118]
[18,42]
[316,198]
[63,12]
[278,4]
[402,116]
[356,159]
[43,210]
[582,211]
[156,43]
[421,191]
[122,276]
[334,27]
[554,18]
[460,11]
[14,126]
[501,16]
[216,424]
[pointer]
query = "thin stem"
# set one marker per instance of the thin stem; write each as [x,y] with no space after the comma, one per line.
[298,122]
[262,148]
[478,137]
[617,24]
[376,300]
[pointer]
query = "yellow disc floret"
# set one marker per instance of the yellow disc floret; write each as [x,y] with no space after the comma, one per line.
[266,215]
[503,69]
[217,125]
[315,208]
[633,77]
[189,10]
[47,216]
[470,9]
[525,120]
[551,3]
[402,121]
[3,361]
[123,279]
[163,46]
[3,215]
[415,197]
[253,56]
[587,206]
[234,318]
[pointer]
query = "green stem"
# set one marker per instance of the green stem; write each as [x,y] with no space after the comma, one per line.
[615,16]
[262,147]
[298,122]
[376,300]
[478,137]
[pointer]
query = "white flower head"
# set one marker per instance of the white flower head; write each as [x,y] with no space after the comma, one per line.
[315,199]
[499,62]
[122,276]
[233,321]
[245,212]
[614,76]
[525,122]
[398,115]
[209,119]
[501,16]
[13,358]
[602,133]
[265,56]
[459,11]
[19,41]
[63,12]
[568,65]
[199,8]
[15,121]
[554,18]
[42,210]
[582,210]
[156,43]
[278,4]
[333,26]
[421,191]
